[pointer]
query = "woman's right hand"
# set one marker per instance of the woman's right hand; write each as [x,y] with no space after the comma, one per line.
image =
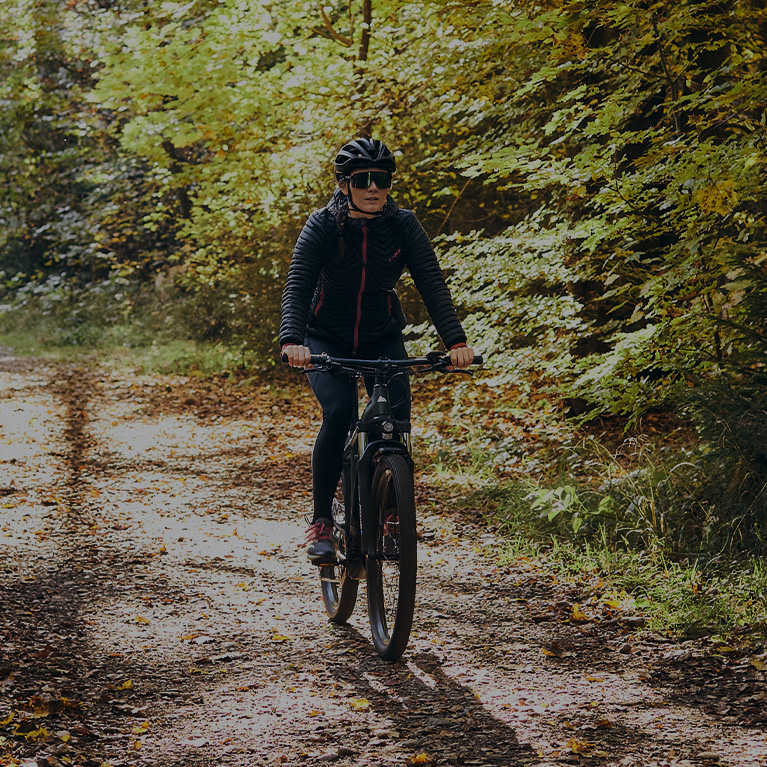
[297,356]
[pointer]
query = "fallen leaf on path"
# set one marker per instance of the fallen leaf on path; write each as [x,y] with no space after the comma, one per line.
[126,685]
[577,615]
[556,649]
[40,707]
[421,759]
[44,653]
[32,735]
[359,704]
[579,746]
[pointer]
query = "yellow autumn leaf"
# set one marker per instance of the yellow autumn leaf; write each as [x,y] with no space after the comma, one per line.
[40,707]
[421,759]
[718,198]
[33,735]
[360,704]
[577,615]
[140,729]
[140,619]
[7,720]
[579,746]
[279,638]
[126,685]
[759,665]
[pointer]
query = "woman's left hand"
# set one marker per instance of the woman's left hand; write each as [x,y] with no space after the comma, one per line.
[462,357]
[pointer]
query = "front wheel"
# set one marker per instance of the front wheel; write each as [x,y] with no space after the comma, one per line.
[391,571]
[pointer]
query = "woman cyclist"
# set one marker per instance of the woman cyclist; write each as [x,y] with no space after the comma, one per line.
[339,299]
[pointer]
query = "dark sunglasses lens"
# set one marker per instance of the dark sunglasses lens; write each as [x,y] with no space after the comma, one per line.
[380,178]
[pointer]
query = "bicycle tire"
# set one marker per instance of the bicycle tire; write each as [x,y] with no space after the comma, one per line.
[391,572]
[339,591]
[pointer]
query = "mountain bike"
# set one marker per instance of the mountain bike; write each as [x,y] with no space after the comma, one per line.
[374,525]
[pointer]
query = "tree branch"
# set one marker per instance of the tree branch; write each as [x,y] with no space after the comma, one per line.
[667,72]
[334,34]
[450,211]
[367,18]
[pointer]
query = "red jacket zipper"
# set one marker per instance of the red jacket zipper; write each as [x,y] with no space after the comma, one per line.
[319,303]
[362,288]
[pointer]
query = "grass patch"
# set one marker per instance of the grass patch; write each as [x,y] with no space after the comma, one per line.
[631,516]
[165,356]
[126,321]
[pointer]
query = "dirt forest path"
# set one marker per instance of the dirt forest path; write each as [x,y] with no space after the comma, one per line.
[156,610]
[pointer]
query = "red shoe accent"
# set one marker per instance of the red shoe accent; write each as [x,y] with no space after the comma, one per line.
[321,530]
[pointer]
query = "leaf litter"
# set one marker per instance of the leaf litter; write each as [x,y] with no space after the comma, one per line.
[141,502]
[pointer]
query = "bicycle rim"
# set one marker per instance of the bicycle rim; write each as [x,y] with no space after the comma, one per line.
[339,592]
[391,572]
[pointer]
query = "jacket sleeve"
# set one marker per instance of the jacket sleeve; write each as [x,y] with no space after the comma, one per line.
[424,269]
[303,274]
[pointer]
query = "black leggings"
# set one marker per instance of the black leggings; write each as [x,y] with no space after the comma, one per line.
[338,399]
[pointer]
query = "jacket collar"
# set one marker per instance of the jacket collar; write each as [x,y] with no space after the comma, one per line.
[339,199]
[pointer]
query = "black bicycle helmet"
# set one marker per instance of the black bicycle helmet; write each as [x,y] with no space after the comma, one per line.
[363,153]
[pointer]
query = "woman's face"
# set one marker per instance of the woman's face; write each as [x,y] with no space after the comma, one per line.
[369,200]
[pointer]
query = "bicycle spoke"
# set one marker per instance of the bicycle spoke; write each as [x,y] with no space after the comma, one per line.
[339,591]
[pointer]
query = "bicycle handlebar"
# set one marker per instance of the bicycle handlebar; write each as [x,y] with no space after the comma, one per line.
[432,358]
[433,361]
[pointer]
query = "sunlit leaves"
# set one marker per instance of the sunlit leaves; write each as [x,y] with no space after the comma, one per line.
[609,160]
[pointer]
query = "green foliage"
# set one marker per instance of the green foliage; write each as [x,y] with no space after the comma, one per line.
[733,424]
[594,175]
[639,129]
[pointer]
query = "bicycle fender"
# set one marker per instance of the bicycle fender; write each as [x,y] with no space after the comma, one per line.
[365,471]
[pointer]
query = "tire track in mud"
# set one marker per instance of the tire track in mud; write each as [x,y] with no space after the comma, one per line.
[160,588]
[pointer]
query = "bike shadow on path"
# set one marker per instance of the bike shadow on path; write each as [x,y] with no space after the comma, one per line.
[430,712]
[631,694]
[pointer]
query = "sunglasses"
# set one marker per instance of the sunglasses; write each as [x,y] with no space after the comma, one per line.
[381,178]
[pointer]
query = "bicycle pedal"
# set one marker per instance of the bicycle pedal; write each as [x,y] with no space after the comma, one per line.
[325,561]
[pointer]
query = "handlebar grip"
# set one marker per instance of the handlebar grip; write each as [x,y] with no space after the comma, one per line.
[477,360]
[284,357]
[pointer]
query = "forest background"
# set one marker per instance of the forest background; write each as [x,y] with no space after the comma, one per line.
[593,177]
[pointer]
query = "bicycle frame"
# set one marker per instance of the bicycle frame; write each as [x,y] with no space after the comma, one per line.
[379,498]
[376,432]
[389,436]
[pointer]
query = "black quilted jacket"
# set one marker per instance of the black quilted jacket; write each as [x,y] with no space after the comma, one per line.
[352,300]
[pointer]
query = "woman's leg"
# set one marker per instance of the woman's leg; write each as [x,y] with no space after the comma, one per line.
[338,399]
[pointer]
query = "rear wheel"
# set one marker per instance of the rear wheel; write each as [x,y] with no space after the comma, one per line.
[391,572]
[339,590]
